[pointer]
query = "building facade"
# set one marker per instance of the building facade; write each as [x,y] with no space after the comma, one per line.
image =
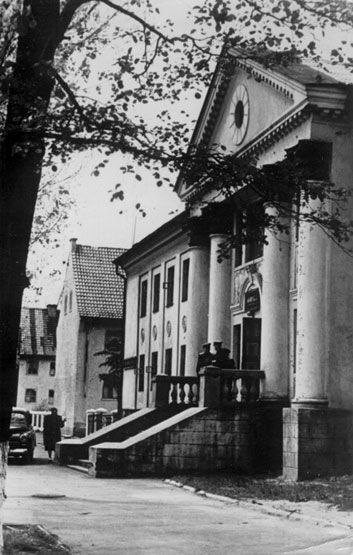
[37,351]
[283,307]
[91,312]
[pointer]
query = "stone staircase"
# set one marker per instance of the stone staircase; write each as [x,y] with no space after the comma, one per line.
[70,451]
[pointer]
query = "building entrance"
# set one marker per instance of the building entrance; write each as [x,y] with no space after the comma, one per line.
[251,343]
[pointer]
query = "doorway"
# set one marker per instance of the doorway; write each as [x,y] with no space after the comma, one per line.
[251,343]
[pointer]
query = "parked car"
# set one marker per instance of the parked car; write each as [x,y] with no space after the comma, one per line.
[23,438]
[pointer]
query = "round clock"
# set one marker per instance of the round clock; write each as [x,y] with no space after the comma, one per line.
[239,114]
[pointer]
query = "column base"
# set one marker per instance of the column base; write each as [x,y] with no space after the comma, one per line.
[317,441]
[274,401]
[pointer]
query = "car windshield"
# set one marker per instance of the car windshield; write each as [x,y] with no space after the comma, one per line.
[18,419]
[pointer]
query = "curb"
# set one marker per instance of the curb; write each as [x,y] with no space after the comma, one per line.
[261,506]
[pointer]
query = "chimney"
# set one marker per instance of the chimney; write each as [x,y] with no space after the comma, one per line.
[73,244]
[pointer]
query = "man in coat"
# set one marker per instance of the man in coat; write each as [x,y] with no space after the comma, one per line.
[52,431]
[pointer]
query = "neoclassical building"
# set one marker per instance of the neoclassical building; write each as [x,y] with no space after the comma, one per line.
[284,307]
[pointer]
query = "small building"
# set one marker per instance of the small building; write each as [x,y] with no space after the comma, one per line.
[91,316]
[37,348]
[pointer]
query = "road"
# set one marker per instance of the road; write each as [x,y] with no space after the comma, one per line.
[148,516]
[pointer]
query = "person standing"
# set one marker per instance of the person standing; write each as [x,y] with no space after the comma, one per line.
[52,430]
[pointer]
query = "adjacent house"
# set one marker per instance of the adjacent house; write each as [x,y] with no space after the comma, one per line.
[36,350]
[91,316]
[284,308]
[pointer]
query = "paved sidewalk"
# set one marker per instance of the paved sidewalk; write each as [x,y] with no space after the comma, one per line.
[149,516]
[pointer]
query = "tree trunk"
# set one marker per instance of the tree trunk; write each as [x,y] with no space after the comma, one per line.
[21,157]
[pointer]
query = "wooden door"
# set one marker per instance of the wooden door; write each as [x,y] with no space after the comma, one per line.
[251,343]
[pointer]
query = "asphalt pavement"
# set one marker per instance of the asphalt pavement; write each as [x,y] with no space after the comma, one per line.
[122,516]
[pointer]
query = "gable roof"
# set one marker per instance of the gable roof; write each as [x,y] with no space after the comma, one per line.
[38,331]
[99,291]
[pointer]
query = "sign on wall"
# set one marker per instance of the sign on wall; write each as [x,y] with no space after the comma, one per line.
[252,300]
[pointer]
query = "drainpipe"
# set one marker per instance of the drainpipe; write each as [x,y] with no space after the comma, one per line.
[120,274]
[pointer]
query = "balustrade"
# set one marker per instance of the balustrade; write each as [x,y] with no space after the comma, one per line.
[240,386]
[184,390]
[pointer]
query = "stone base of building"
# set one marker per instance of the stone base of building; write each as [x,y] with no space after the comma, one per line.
[317,442]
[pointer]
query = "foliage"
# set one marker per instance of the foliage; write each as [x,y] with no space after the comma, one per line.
[113,359]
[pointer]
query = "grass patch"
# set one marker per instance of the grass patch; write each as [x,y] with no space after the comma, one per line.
[335,491]
[21,540]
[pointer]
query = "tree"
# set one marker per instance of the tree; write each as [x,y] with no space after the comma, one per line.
[113,354]
[47,112]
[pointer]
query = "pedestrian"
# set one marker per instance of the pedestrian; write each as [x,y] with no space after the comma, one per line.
[52,430]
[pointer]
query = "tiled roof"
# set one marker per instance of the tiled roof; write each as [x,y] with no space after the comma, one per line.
[306,75]
[37,331]
[99,291]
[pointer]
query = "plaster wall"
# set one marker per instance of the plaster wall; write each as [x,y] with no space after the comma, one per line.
[40,382]
[170,326]
[67,353]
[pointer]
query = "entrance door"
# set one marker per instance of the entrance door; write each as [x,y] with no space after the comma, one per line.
[251,343]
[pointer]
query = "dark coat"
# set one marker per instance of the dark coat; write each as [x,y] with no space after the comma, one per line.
[52,431]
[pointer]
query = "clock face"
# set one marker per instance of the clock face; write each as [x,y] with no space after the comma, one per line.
[239,114]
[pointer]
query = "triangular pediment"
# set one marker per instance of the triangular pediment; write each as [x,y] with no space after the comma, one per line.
[246,101]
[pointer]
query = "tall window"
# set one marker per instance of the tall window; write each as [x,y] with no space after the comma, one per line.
[70,301]
[254,246]
[51,397]
[182,360]
[154,364]
[109,390]
[65,304]
[170,286]
[52,368]
[32,367]
[156,293]
[30,396]
[238,249]
[168,362]
[185,280]
[141,374]
[143,307]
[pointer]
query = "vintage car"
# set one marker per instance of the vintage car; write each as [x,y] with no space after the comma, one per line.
[22,436]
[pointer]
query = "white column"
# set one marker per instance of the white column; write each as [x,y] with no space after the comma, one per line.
[275,313]
[313,316]
[197,313]
[219,294]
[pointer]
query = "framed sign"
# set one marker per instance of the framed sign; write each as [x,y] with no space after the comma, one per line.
[252,300]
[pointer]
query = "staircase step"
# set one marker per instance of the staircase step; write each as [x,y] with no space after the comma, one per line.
[79,468]
[86,463]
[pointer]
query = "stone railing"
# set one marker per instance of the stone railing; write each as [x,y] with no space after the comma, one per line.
[216,387]
[175,390]
[221,387]
[37,419]
[99,418]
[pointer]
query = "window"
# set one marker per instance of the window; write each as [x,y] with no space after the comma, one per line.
[168,362]
[143,308]
[65,304]
[32,367]
[52,368]
[111,340]
[51,397]
[254,246]
[109,390]
[154,365]
[238,248]
[182,360]
[30,396]
[70,301]
[185,280]
[141,373]
[156,294]
[170,286]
